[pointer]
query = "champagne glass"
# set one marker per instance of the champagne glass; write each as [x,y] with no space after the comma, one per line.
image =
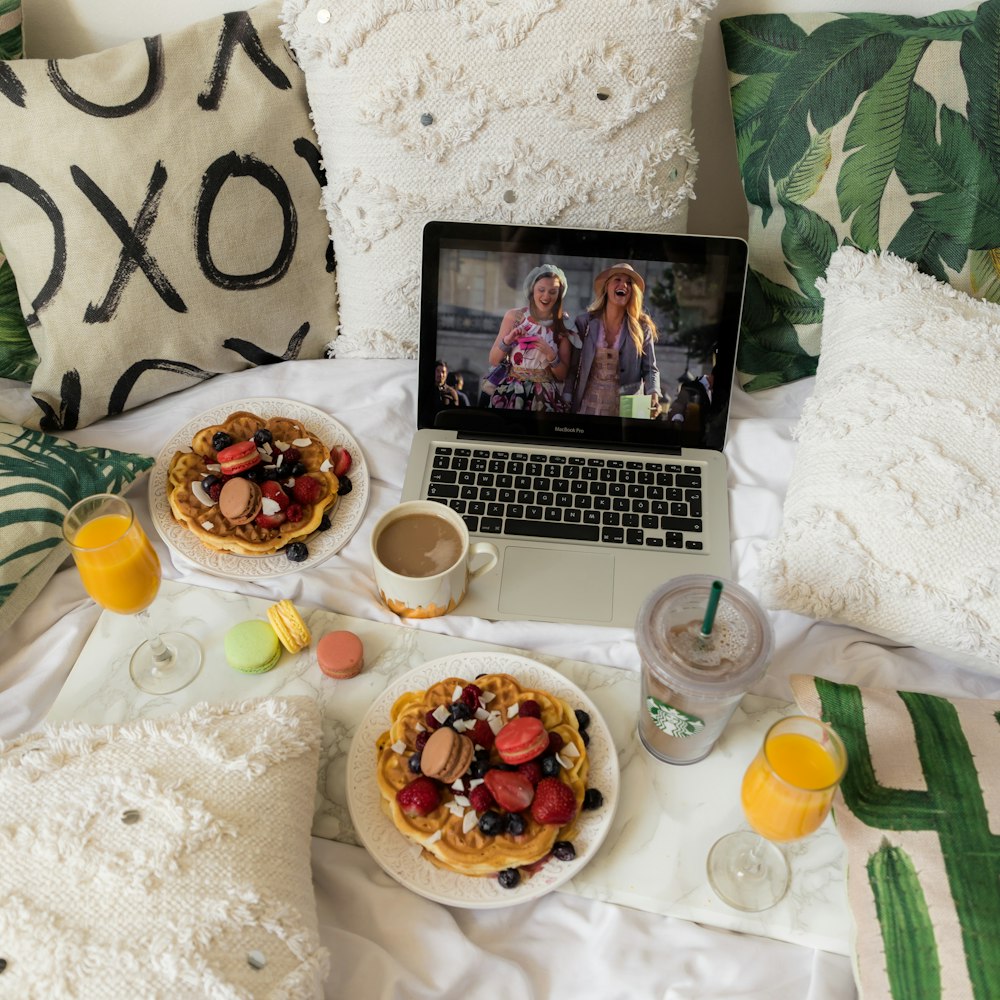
[787,792]
[121,572]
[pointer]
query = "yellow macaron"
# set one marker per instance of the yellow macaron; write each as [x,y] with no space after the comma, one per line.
[289,626]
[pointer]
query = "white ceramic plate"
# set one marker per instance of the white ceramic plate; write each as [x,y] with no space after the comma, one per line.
[345,516]
[401,858]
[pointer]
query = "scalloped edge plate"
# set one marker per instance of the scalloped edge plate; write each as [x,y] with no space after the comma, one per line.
[401,858]
[347,514]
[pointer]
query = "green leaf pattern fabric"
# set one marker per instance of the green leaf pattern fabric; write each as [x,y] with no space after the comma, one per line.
[41,477]
[880,131]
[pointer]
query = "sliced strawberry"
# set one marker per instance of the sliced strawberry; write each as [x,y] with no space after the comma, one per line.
[482,735]
[554,802]
[269,521]
[420,797]
[307,489]
[273,491]
[512,790]
[340,459]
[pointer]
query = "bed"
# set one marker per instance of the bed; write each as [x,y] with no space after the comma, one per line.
[383,940]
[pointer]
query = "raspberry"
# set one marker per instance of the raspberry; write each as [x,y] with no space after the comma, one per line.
[529,709]
[273,491]
[288,457]
[481,799]
[556,743]
[470,696]
[294,513]
[554,803]
[420,797]
[213,486]
[482,735]
[431,722]
[532,771]
[307,490]
[421,741]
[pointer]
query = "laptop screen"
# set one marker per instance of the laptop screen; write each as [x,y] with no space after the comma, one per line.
[580,336]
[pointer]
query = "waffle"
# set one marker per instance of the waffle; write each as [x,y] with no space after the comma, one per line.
[471,852]
[208,523]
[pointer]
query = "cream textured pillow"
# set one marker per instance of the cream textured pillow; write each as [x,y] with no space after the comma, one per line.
[160,209]
[569,112]
[163,858]
[892,517]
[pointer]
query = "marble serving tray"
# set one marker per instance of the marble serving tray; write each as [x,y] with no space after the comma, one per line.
[668,816]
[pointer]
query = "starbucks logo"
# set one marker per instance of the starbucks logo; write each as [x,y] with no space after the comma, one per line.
[672,721]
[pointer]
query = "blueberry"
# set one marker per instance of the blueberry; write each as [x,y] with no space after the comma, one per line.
[582,718]
[220,440]
[257,474]
[460,710]
[345,486]
[324,523]
[593,799]
[550,766]
[509,878]
[478,768]
[298,469]
[492,824]
[210,480]
[515,824]
[563,850]
[297,552]
[263,437]
[414,763]
[585,736]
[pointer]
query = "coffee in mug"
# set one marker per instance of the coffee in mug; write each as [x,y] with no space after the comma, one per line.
[423,559]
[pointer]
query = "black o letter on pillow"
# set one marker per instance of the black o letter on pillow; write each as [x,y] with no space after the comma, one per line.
[154,84]
[214,179]
[31,189]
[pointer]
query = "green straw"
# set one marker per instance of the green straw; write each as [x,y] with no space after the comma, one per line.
[713,606]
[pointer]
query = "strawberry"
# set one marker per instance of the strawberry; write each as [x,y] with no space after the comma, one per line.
[273,491]
[554,802]
[482,735]
[481,799]
[532,771]
[340,459]
[307,489]
[512,790]
[420,797]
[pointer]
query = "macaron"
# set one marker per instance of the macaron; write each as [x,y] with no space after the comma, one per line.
[340,654]
[446,755]
[288,624]
[239,501]
[522,739]
[238,458]
[252,647]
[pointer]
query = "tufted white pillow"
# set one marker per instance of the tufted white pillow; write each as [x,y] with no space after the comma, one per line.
[571,112]
[892,517]
[164,858]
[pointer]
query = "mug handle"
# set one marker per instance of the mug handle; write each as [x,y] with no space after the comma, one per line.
[487,549]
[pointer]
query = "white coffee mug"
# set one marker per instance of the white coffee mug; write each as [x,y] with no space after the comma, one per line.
[422,567]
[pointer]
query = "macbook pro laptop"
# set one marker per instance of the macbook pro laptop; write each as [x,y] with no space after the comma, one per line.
[590,513]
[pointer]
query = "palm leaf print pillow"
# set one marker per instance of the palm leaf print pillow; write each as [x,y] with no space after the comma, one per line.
[879,131]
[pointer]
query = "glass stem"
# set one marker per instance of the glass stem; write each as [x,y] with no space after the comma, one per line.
[162,654]
[751,864]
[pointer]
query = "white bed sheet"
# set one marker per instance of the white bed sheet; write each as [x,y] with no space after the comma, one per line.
[386,942]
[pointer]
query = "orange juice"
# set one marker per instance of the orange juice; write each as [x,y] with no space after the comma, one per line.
[120,569]
[789,785]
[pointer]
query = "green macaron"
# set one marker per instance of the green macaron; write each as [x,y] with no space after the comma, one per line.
[252,647]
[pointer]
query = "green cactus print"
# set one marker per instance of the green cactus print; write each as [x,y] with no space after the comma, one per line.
[954,807]
[838,144]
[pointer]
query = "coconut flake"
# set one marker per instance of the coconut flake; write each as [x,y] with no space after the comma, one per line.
[281,459]
[214,467]
[457,693]
[463,725]
[481,713]
[455,808]
[282,445]
[513,710]
[562,761]
[399,746]
[208,526]
[457,785]
[463,801]
[570,750]
[202,494]
[495,723]
[326,466]
[433,838]
[302,442]
[475,783]
[469,821]
[486,697]
[440,713]
[420,727]
[269,506]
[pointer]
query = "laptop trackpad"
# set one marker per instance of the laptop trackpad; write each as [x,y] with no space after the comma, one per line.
[557,585]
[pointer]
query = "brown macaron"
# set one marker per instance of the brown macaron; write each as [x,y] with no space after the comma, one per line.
[239,501]
[446,755]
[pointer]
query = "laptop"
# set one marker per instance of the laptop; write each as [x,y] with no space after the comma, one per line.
[590,512]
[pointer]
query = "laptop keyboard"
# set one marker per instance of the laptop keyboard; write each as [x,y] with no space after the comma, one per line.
[617,502]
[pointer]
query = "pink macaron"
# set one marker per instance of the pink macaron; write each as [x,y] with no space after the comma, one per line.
[238,458]
[521,740]
[340,655]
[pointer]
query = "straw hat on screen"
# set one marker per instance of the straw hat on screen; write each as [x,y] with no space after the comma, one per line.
[627,269]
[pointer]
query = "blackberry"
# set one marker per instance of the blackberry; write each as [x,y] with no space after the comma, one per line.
[263,437]
[550,766]
[515,824]
[491,824]
[297,552]
[509,878]
[345,486]
[582,718]
[414,763]
[593,799]
[563,850]
[324,523]
[220,440]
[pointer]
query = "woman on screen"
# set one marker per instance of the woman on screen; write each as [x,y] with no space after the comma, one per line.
[617,355]
[534,345]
